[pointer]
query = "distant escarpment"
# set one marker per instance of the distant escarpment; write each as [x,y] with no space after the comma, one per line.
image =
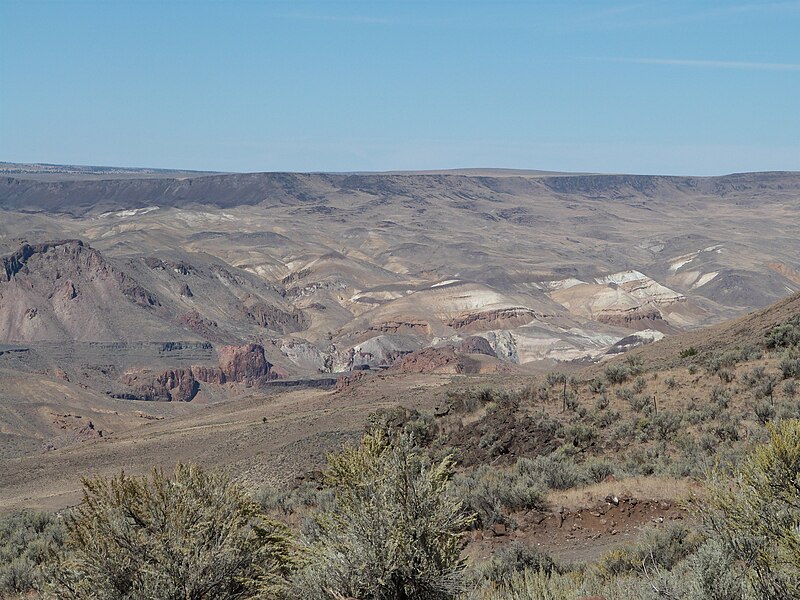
[78,196]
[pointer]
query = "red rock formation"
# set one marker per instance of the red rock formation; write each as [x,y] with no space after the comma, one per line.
[237,364]
[69,292]
[245,364]
[196,322]
[347,381]
[208,374]
[494,319]
[402,326]
[475,345]
[179,385]
[434,360]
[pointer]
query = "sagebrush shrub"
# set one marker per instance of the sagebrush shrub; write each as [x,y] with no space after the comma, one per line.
[394,531]
[756,517]
[785,335]
[191,535]
[764,412]
[617,373]
[790,365]
[28,544]
[516,558]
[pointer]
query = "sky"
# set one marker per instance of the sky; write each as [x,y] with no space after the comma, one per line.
[660,87]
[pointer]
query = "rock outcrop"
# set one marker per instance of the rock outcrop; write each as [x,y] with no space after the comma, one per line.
[404,326]
[245,364]
[382,351]
[237,364]
[493,319]
[206,328]
[276,319]
[475,345]
[68,290]
[626,318]
[178,385]
[435,360]
[345,382]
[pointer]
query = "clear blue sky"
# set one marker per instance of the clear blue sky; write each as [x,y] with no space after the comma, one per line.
[673,87]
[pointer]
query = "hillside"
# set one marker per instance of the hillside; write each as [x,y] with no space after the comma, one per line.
[121,289]
[543,266]
[604,413]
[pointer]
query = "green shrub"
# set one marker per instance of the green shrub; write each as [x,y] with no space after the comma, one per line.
[28,543]
[596,386]
[688,352]
[790,365]
[764,412]
[719,396]
[766,387]
[307,495]
[754,377]
[571,401]
[667,424]
[596,470]
[635,363]
[421,427]
[711,573]
[785,335]
[604,418]
[557,470]
[726,375]
[730,358]
[725,360]
[516,558]
[617,373]
[639,385]
[580,435]
[194,535]
[489,491]
[394,532]
[531,584]
[468,401]
[641,403]
[660,548]
[727,430]
[756,516]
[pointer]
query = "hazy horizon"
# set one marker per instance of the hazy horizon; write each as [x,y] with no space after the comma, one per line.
[454,170]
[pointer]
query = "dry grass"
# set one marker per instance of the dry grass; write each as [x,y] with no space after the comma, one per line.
[643,488]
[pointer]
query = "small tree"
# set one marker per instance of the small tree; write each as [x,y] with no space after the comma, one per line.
[394,532]
[195,535]
[757,516]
